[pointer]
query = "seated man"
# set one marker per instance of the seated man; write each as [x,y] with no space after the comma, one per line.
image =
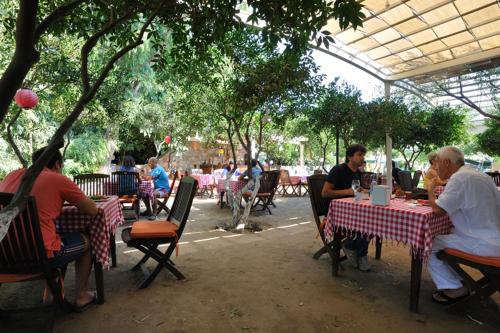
[256,171]
[161,185]
[338,185]
[50,190]
[473,204]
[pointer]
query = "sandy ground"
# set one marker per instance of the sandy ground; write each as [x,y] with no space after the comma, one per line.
[262,282]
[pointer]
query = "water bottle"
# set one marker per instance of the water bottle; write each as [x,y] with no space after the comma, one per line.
[373,183]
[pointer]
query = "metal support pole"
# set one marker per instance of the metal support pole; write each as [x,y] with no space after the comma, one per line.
[388,142]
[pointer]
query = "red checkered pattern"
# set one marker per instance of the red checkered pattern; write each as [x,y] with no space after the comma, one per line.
[298,179]
[204,180]
[146,188]
[236,185]
[108,218]
[438,190]
[399,221]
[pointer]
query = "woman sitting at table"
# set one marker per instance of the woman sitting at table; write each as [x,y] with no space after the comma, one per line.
[432,172]
[50,190]
[128,164]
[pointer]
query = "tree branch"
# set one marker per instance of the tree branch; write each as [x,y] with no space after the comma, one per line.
[56,15]
[11,141]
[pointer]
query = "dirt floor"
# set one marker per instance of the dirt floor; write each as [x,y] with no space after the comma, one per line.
[262,282]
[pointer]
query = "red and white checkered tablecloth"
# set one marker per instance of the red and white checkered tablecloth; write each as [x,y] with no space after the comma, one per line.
[415,226]
[146,188]
[204,180]
[236,185]
[108,218]
[298,179]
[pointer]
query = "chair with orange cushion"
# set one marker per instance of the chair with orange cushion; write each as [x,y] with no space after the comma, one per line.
[126,184]
[147,236]
[488,266]
[268,185]
[22,252]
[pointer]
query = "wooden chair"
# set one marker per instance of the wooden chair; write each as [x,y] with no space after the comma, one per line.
[496,177]
[268,184]
[126,184]
[22,252]
[162,202]
[416,178]
[488,266]
[286,183]
[318,172]
[147,236]
[366,179]
[320,207]
[405,180]
[93,183]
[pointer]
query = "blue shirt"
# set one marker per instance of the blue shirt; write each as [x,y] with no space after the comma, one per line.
[160,178]
[256,171]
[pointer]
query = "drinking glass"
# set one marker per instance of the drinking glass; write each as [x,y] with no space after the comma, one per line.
[355,185]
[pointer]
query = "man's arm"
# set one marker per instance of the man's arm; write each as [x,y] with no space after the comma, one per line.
[87,206]
[432,198]
[329,191]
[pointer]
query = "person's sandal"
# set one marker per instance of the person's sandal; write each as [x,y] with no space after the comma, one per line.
[84,307]
[447,299]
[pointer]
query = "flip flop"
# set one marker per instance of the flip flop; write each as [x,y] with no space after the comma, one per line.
[448,300]
[84,307]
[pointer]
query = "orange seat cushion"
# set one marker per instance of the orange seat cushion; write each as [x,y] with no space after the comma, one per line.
[263,194]
[490,261]
[153,230]
[8,278]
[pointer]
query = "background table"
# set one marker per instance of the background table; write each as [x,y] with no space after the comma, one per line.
[302,181]
[416,226]
[235,185]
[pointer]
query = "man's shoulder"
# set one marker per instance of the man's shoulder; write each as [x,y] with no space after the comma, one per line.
[338,168]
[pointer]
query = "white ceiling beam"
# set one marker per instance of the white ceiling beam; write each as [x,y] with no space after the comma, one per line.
[443,66]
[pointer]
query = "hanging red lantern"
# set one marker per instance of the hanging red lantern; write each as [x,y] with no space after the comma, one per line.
[26,98]
[168,139]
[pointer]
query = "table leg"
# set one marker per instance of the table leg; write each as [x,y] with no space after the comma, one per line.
[416,275]
[337,241]
[112,249]
[378,248]
[99,281]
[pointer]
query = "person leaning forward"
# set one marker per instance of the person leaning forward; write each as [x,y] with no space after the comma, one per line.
[50,190]
[472,202]
[161,186]
[338,185]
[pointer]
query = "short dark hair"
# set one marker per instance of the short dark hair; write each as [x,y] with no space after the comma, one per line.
[254,162]
[57,157]
[353,149]
[128,161]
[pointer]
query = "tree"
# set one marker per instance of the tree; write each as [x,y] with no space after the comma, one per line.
[489,140]
[414,129]
[192,24]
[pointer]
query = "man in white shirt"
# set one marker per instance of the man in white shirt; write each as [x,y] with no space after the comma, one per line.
[473,204]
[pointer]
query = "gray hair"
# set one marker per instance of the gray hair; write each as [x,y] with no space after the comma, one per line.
[153,160]
[432,156]
[455,155]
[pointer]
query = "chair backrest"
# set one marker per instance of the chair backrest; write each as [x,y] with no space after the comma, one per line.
[182,203]
[176,174]
[366,179]
[405,180]
[416,178]
[496,177]
[318,172]
[269,181]
[92,183]
[126,182]
[284,176]
[319,204]
[22,250]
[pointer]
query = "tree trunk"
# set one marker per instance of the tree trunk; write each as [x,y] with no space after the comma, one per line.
[337,138]
[24,57]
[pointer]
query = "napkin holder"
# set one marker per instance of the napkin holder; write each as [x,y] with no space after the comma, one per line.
[381,195]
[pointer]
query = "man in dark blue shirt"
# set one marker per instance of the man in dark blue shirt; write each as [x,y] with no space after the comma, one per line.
[338,185]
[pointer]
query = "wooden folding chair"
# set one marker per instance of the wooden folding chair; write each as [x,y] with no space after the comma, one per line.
[23,256]
[162,202]
[320,207]
[286,183]
[126,184]
[496,177]
[405,180]
[488,266]
[93,183]
[147,236]
[268,185]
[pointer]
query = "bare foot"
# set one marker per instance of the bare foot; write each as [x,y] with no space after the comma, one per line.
[84,298]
